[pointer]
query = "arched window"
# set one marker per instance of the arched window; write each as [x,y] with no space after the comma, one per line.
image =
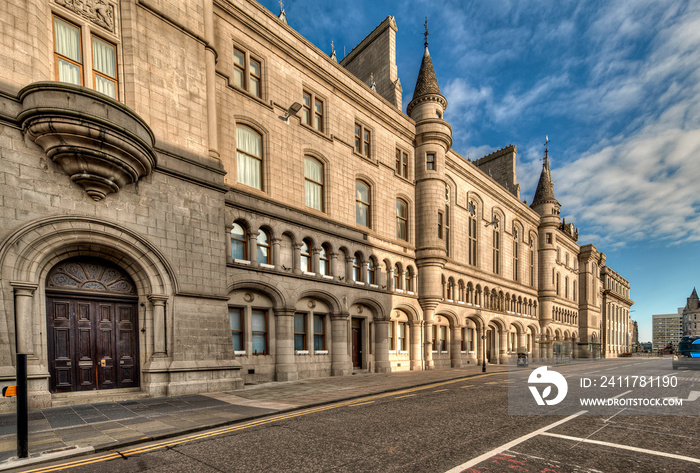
[472,234]
[371,272]
[566,287]
[263,243]
[249,152]
[306,261]
[408,281]
[557,287]
[239,242]
[532,262]
[401,219]
[362,204]
[397,277]
[323,261]
[515,254]
[496,247]
[313,183]
[356,273]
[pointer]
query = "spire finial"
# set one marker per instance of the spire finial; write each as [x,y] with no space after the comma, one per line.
[372,83]
[427,33]
[333,55]
[283,14]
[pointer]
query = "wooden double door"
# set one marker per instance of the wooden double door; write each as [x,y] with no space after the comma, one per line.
[92,342]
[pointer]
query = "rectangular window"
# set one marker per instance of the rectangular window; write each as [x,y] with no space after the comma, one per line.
[255,77]
[312,111]
[440,224]
[239,68]
[67,52]
[104,67]
[319,332]
[247,72]
[363,140]
[259,332]
[443,338]
[515,260]
[401,163]
[300,331]
[430,161]
[548,238]
[402,336]
[471,339]
[235,316]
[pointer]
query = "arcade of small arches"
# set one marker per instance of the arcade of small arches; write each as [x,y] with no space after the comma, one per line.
[284,250]
[565,316]
[489,299]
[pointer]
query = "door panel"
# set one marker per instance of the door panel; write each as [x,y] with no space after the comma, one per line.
[92,344]
[356,343]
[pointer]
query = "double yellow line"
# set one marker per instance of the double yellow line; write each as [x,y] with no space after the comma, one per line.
[247,425]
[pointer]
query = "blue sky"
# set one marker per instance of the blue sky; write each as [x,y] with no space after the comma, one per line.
[615,85]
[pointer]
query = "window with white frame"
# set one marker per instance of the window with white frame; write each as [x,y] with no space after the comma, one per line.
[324,261]
[249,156]
[306,260]
[401,219]
[239,242]
[264,247]
[402,336]
[313,183]
[362,204]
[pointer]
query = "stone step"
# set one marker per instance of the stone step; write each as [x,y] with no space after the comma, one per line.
[96,396]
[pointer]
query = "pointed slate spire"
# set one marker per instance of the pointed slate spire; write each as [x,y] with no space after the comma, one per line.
[694,294]
[427,80]
[545,187]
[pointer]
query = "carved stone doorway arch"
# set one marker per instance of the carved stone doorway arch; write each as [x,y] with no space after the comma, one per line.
[92,326]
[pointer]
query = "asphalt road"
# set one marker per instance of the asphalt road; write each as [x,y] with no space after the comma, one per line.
[453,426]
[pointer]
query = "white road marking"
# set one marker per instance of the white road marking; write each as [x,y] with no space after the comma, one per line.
[624,447]
[513,443]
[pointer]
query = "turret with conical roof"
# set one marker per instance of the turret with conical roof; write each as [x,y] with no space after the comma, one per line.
[544,201]
[433,139]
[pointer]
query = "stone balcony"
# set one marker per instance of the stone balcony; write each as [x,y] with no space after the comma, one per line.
[99,142]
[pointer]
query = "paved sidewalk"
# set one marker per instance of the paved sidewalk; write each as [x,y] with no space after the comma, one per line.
[68,431]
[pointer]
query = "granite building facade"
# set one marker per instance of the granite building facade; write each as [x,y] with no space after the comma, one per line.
[195,197]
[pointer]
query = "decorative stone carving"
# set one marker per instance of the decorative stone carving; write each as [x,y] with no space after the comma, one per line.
[248,297]
[100,143]
[90,275]
[99,12]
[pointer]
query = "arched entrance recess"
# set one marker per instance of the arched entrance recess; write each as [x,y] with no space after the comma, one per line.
[92,326]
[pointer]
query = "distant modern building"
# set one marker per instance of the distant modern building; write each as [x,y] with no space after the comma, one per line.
[690,315]
[667,328]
